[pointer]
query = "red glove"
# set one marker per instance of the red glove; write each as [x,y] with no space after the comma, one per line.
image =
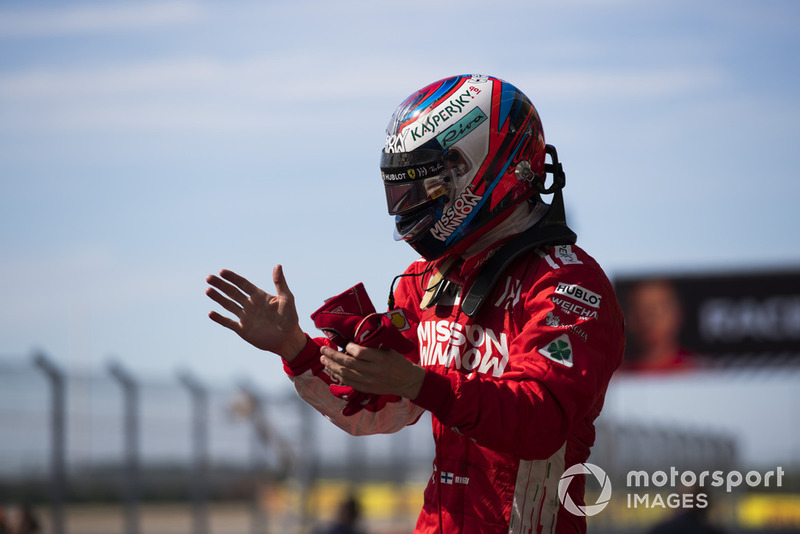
[340,315]
[350,316]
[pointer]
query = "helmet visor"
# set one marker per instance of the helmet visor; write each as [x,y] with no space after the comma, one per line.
[403,198]
[413,179]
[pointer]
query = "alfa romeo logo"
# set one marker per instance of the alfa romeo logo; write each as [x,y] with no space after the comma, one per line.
[559,350]
[602,499]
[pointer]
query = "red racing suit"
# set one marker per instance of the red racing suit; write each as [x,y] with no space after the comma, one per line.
[513,391]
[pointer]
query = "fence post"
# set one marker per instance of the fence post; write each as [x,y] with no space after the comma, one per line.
[250,407]
[199,397]
[400,444]
[130,479]
[307,465]
[58,416]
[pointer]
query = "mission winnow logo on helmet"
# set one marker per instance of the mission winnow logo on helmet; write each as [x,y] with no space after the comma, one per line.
[455,214]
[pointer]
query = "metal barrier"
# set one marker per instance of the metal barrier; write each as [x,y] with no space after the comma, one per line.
[110,436]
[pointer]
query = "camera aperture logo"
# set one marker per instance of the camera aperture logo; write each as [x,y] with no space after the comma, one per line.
[670,488]
[602,499]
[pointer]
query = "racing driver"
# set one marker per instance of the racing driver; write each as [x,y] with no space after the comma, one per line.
[504,330]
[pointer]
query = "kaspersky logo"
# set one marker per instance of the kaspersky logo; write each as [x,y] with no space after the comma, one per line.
[589,509]
[440,115]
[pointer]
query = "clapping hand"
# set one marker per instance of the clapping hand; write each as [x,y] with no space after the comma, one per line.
[268,322]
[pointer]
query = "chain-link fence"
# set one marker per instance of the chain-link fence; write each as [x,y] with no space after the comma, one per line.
[106,451]
[71,440]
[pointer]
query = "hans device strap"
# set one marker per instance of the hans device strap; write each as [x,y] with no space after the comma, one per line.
[529,240]
[551,230]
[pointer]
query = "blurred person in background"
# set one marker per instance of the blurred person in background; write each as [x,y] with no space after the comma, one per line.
[504,329]
[3,521]
[655,317]
[21,520]
[28,522]
[347,518]
[690,520]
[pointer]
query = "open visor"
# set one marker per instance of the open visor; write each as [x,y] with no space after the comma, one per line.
[413,179]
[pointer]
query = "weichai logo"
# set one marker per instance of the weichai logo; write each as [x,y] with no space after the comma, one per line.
[468,347]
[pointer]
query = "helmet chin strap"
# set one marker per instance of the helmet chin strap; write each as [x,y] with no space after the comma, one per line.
[552,229]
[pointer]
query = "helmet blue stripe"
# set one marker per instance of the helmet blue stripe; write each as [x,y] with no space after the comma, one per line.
[442,90]
[506,100]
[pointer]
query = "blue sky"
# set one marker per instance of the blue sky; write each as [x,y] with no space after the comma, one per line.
[145,145]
